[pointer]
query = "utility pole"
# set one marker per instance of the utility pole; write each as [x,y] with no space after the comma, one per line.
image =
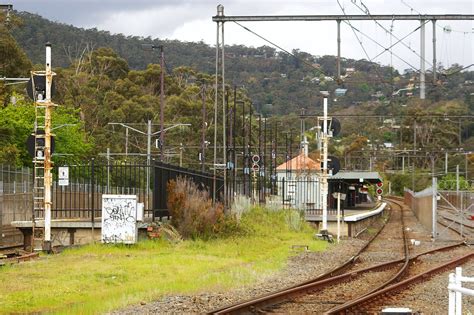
[126,142]
[148,160]
[264,158]
[234,152]
[446,162]
[434,51]
[204,127]
[245,152]
[48,178]
[422,59]
[162,96]
[220,12]
[324,175]
[414,155]
[162,102]
[42,153]
[338,60]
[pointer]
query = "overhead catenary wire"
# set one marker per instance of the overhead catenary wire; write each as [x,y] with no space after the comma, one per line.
[360,41]
[440,26]
[398,41]
[366,11]
[394,54]
[281,48]
[354,29]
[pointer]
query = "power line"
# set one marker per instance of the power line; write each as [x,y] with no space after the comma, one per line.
[358,39]
[367,12]
[440,26]
[398,41]
[376,42]
[281,48]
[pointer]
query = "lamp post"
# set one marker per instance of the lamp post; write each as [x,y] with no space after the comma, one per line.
[162,94]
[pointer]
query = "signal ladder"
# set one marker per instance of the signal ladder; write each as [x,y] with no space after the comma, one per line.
[39,175]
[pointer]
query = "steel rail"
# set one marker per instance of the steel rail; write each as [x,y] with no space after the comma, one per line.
[324,280]
[18,259]
[307,287]
[342,309]
[452,228]
[404,268]
[467,226]
[296,290]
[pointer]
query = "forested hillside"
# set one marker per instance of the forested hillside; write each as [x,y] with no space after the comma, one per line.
[277,83]
[104,78]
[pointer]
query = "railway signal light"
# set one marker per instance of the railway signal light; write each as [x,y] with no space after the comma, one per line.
[333,125]
[379,191]
[333,165]
[379,184]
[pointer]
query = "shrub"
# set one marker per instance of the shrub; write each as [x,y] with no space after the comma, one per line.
[192,211]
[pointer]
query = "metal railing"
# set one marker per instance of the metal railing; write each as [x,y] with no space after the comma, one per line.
[456,290]
[15,201]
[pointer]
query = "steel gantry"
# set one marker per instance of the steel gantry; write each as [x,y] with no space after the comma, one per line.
[220,19]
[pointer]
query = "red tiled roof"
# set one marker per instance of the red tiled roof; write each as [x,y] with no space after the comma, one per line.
[300,163]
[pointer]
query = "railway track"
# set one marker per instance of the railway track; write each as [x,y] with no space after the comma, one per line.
[450,220]
[365,274]
[391,295]
[12,254]
[339,272]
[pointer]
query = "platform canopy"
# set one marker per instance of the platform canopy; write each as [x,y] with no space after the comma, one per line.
[357,177]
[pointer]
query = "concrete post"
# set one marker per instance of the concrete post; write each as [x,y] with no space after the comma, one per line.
[47,152]
[422,60]
[434,52]
[324,179]
[434,207]
[338,49]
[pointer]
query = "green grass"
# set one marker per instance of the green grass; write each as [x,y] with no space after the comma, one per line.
[98,278]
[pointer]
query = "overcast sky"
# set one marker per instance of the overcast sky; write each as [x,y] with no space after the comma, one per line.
[191,20]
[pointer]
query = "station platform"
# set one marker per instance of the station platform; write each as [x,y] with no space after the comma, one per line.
[353,221]
[68,232]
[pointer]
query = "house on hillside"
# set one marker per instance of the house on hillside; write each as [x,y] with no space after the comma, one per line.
[298,181]
[340,92]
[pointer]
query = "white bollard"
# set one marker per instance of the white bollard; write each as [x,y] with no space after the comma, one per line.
[457,282]
[452,294]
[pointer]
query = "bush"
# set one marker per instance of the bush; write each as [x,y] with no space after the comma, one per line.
[449,182]
[264,222]
[193,214]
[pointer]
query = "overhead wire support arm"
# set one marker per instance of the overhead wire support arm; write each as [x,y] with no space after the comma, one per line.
[335,17]
[128,127]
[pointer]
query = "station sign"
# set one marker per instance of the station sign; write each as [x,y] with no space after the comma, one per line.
[63,176]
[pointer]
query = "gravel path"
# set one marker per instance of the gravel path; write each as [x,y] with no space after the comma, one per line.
[302,267]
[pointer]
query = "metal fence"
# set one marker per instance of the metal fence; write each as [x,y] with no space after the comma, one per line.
[82,196]
[15,201]
[460,199]
[163,173]
[297,192]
